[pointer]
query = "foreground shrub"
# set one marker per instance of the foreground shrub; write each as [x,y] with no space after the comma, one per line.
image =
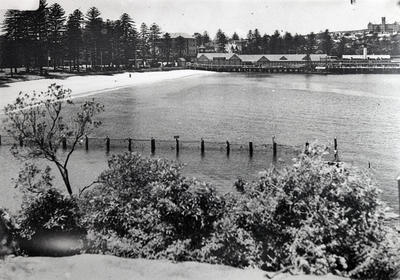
[318,218]
[50,224]
[142,206]
[7,233]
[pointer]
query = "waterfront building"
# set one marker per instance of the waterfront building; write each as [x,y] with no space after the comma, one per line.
[259,60]
[231,59]
[366,56]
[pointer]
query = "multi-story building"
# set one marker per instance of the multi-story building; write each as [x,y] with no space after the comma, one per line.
[384,27]
[187,42]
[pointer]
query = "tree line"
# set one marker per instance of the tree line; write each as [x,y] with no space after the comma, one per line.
[323,42]
[47,37]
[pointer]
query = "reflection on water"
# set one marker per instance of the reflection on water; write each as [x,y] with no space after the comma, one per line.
[362,111]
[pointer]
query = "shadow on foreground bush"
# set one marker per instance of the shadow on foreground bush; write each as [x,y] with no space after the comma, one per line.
[49,225]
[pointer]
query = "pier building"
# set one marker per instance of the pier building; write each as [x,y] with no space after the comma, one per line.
[298,63]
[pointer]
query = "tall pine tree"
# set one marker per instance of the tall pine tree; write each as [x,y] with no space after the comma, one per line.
[74,37]
[56,20]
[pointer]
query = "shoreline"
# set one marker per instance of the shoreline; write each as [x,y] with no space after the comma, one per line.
[87,85]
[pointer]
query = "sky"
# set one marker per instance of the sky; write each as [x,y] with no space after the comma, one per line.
[295,16]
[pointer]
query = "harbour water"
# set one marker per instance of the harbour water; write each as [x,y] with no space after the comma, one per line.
[362,111]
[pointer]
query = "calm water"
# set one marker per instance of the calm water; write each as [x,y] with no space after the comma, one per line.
[362,111]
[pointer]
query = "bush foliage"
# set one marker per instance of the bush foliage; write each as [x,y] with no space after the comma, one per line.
[146,204]
[313,216]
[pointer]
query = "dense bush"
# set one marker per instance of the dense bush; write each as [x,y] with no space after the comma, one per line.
[313,216]
[142,207]
[318,218]
[50,224]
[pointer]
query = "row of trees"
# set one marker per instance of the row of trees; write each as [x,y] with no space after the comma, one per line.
[324,42]
[47,37]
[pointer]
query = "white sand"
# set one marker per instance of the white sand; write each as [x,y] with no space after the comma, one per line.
[100,267]
[93,84]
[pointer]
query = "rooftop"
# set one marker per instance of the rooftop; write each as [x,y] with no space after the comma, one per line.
[180,34]
[270,57]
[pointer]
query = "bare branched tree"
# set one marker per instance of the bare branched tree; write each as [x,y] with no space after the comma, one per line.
[45,120]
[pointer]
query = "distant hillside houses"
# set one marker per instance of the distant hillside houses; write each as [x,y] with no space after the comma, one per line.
[380,29]
[383,27]
[257,59]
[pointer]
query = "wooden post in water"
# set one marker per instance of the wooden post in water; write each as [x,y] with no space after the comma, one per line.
[306,149]
[228,148]
[202,146]
[64,143]
[335,149]
[86,143]
[129,144]
[274,148]
[177,144]
[251,149]
[153,145]
[108,144]
[398,186]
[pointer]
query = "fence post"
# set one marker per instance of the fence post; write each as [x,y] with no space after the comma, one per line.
[274,147]
[251,149]
[335,149]
[228,147]
[86,143]
[129,144]
[202,146]
[21,141]
[107,144]
[64,143]
[153,145]
[306,149]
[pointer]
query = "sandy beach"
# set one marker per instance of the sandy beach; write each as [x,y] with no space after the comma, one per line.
[90,85]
